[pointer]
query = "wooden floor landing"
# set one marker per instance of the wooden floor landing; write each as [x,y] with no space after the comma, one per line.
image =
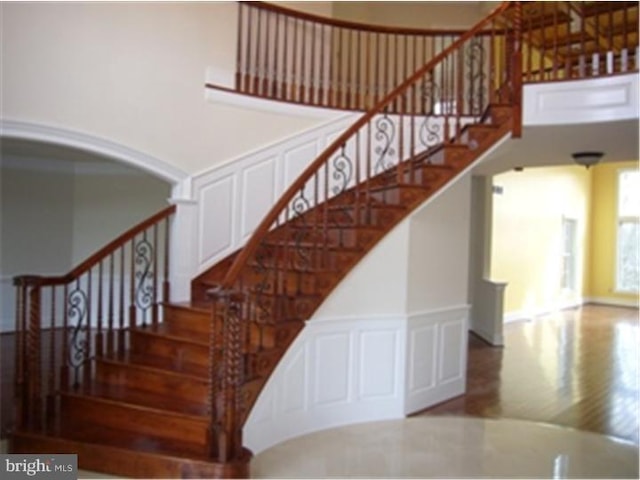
[578,368]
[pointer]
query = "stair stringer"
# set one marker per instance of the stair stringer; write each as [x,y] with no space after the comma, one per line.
[293,402]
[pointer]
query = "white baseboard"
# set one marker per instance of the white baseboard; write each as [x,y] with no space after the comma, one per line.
[614,302]
[495,340]
[528,315]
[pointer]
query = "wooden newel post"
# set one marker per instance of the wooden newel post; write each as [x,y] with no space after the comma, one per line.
[33,364]
[227,368]
[516,71]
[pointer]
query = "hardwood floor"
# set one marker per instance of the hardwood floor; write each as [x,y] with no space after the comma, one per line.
[579,368]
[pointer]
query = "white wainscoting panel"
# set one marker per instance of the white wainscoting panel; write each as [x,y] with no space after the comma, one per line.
[257,200]
[436,356]
[337,372]
[594,100]
[233,198]
[424,348]
[217,215]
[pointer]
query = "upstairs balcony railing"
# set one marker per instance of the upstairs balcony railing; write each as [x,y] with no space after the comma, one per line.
[301,58]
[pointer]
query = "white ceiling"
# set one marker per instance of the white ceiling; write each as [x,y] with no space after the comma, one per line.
[553,145]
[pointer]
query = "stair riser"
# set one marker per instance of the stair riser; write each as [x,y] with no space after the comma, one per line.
[184,353]
[273,336]
[280,309]
[477,135]
[84,415]
[288,283]
[304,258]
[156,381]
[190,320]
[400,196]
[426,177]
[129,463]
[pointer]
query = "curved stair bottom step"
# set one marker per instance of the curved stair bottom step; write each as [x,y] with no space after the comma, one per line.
[129,463]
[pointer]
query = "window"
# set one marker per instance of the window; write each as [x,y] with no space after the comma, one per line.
[628,235]
[569,229]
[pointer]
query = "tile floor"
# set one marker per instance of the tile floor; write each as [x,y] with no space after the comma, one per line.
[459,447]
[445,447]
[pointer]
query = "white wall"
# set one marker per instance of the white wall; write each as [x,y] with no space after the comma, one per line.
[53,219]
[37,218]
[439,250]
[107,204]
[133,74]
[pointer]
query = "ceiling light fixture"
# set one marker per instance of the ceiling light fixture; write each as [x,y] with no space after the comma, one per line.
[587,159]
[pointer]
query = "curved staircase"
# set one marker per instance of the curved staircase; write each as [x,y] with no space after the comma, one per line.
[169,397]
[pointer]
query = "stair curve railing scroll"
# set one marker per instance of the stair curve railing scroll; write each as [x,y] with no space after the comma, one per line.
[63,322]
[401,141]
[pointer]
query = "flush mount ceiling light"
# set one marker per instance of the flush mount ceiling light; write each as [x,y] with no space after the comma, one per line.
[587,159]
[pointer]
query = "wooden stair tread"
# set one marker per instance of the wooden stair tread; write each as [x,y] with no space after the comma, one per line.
[159,363]
[171,332]
[125,363]
[123,439]
[374,204]
[141,398]
[199,306]
[337,226]
[292,245]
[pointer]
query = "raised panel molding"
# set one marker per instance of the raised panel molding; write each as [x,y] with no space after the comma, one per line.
[341,371]
[593,100]
[258,194]
[294,384]
[422,364]
[377,364]
[451,351]
[217,201]
[332,353]
[353,372]
[436,356]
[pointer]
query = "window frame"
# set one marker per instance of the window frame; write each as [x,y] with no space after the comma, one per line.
[619,221]
[569,283]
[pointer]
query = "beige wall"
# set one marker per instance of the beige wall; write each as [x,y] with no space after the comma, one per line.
[54,219]
[426,14]
[132,73]
[527,236]
[37,218]
[439,250]
[106,205]
[324,9]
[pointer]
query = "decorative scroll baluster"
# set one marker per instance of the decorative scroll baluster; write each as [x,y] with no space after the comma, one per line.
[80,305]
[79,335]
[385,134]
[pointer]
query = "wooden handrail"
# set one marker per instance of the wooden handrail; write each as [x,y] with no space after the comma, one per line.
[86,265]
[365,27]
[333,148]
[92,309]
